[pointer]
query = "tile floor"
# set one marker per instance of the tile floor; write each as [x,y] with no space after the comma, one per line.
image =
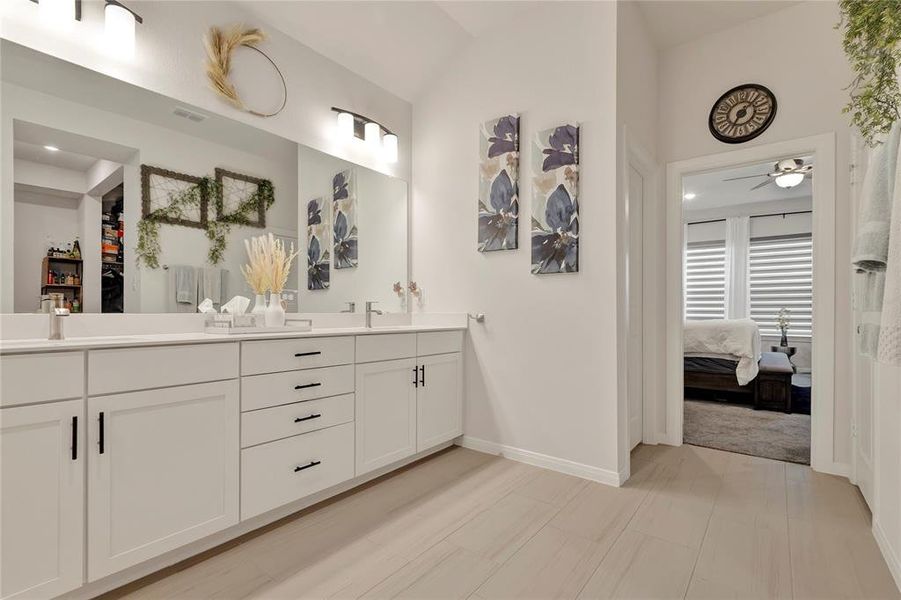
[691,523]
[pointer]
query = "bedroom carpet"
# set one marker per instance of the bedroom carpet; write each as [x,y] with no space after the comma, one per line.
[744,430]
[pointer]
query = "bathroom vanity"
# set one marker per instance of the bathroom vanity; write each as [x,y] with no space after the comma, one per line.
[124,455]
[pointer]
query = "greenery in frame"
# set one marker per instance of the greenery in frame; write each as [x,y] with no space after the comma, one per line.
[872,42]
[184,202]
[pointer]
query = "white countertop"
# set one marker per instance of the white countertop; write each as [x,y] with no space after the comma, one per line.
[168,339]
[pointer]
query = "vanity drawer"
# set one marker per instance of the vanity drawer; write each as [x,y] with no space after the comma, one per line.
[392,346]
[31,378]
[274,389]
[280,472]
[112,371]
[439,342]
[260,426]
[272,356]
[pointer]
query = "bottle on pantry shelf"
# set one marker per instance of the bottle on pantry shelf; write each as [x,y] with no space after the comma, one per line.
[76,249]
[76,305]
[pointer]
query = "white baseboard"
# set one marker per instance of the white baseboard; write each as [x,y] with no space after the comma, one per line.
[544,461]
[833,468]
[891,559]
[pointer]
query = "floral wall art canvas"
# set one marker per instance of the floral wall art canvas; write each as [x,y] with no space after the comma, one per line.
[555,201]
[499,184]
[344,213]
[318,258]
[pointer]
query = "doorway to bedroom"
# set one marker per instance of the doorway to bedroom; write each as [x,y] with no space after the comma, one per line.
[747,275]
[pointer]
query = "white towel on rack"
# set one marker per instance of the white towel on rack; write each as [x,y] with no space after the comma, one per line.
[871,244]
[182,288]
[890,328]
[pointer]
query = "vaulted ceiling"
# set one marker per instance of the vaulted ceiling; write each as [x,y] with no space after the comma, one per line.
[401,46]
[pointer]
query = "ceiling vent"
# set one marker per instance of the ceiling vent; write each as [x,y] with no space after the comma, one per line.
[181,111]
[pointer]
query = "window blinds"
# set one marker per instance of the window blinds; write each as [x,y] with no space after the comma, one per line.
[781,276]
[705,280]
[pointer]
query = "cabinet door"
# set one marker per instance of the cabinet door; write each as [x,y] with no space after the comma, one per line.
[439,400]
[385,413]
[162,471]
[42,517]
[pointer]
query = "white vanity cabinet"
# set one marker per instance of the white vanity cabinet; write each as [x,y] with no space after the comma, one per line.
[385,413]
[42,520]
[162,471]
[409,404]
[439,400]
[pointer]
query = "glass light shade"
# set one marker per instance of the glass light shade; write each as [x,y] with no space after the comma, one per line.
[789,180]
[345,126]
[119,31]
[389,145]
[60,13]
[689,196]
[372,135]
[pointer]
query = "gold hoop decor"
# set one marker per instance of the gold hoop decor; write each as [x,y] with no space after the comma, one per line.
[220,44]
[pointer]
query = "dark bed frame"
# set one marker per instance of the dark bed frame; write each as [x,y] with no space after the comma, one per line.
[770,390]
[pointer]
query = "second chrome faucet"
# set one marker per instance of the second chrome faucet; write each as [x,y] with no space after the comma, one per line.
[370,311]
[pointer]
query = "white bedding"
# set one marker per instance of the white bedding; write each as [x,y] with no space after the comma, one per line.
[738,338]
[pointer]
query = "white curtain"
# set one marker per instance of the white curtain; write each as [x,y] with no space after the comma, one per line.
[738,244]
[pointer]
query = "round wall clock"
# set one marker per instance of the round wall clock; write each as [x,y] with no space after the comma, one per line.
[742,113]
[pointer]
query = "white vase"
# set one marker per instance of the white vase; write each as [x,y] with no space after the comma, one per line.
[259,309]
[275,312]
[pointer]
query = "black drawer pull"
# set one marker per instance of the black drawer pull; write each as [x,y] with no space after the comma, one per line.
[302,419]
[313,463]
[100,440]
[74,438]
[306,385]
[422,376]
[302,354]
[415,377]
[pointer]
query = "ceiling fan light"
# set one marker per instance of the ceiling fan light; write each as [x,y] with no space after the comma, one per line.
[789,180]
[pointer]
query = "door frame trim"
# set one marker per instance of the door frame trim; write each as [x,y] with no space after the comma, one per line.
[822,146]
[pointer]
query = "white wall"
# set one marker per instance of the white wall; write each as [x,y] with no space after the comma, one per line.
[173,150]
[887,475]
[382,236]
[47,220]
[810,101]
[541,372]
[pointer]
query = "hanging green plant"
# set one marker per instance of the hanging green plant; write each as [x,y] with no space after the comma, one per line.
[180,205]
[187,202]
[872,42]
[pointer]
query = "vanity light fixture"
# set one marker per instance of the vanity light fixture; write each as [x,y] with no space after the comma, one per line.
[59,12]
[51,148]
[377,137]
[689,196]
[389,142]
[345,126]
[119,28]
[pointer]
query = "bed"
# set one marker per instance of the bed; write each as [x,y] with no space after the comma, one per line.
[722,357]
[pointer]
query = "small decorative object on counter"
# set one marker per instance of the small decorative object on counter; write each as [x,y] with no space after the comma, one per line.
[415,290]
[256,273]
[398,289]
[784,323]
[268,268]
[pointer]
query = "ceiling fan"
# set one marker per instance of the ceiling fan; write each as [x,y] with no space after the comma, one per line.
[786,173]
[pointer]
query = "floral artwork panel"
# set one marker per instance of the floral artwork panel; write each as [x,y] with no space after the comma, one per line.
[344,213]
[318,246]
[499,184]
[555,201]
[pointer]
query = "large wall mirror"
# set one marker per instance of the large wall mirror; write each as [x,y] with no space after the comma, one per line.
[160,197]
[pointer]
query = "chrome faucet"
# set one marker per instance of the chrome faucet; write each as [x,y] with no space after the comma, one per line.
[351,307]
[369,311]
[56,323]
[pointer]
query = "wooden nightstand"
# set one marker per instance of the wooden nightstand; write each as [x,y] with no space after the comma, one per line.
[789,351]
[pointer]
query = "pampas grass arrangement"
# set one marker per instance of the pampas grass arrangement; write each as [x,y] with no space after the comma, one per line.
[256,271]
[269,264]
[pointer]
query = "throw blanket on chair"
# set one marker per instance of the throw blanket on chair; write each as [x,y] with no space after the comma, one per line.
[736,337]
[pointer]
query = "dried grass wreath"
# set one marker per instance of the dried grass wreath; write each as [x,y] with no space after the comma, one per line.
[219,47]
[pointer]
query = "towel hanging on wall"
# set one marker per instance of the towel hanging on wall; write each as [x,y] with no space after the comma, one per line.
[871,246]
